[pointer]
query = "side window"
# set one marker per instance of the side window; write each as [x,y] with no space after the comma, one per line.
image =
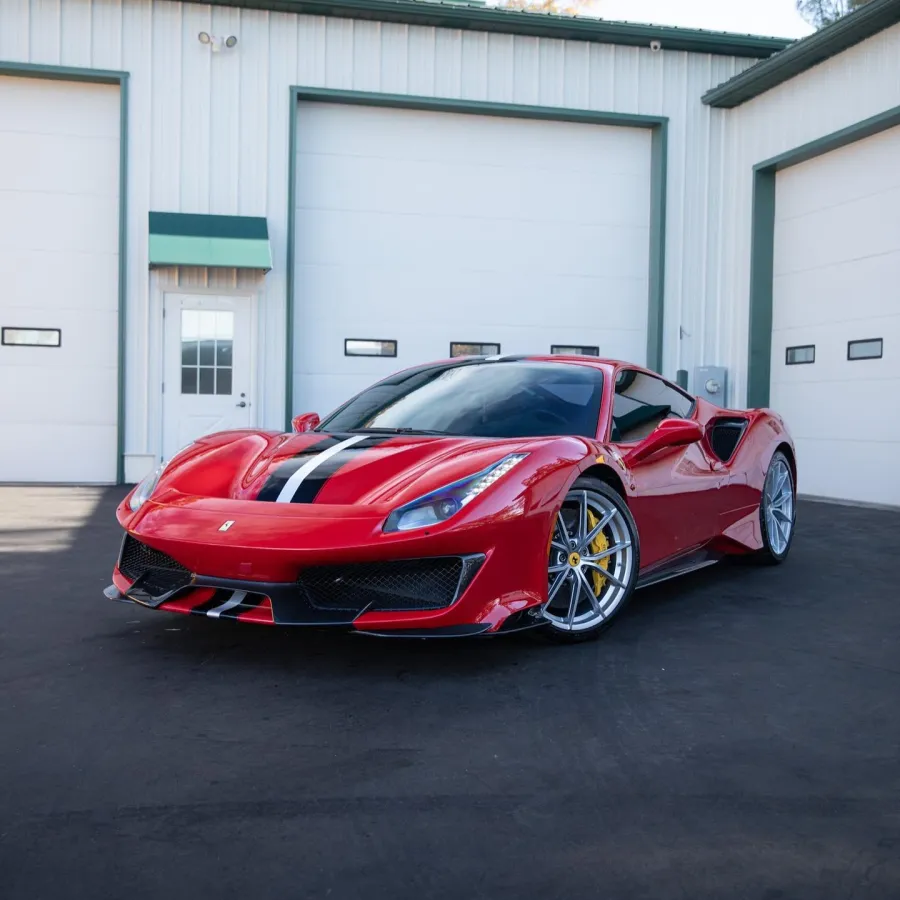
[641,403]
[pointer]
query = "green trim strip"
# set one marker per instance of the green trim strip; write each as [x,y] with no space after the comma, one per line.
[508,21]
[189,225]
[658,125]
[762,242]
[214,252]
[762,254]
[863,23]
[659,155]
[102,76]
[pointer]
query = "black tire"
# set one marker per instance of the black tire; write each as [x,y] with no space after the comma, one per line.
[601,494]
[775,549]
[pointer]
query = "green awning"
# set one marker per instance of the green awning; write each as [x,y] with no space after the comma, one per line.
[234,242]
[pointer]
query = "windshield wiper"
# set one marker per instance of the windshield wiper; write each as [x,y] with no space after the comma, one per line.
[397,431]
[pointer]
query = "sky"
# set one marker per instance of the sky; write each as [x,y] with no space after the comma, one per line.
[773,18]
[776,18]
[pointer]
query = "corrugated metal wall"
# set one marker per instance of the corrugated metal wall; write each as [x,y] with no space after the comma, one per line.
[208,134]
[859,83]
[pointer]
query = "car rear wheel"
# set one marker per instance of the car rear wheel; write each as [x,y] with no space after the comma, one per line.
[777,511]
[593,562]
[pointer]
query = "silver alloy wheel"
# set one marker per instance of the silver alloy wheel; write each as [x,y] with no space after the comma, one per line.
[778,505]
[581,554]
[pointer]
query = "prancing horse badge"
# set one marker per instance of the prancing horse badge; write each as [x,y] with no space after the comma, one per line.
[226,525]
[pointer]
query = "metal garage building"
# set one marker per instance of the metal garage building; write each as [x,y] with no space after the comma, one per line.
[200,233]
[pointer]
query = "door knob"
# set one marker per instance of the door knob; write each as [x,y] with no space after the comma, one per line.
[241,404]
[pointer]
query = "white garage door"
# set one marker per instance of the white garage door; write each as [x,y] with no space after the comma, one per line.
[59,165]
[428,228]
[837,271]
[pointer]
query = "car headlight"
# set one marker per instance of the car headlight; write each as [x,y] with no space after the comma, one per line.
[143,491]
[440,505]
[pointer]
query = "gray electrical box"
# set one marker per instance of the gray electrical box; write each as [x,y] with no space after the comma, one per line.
[711,383]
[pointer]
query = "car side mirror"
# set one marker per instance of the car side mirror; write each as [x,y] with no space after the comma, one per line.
[305,422]
[669,433]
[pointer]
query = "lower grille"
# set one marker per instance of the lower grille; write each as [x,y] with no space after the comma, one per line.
[400,586]
[159,573]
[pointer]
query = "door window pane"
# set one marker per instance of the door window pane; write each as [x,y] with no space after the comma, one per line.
[223,353]
[642,402]
[188,380]
[206,383]
[207,348]
[223,381]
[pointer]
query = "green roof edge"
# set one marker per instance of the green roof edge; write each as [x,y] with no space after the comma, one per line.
[804,54]
[506,21]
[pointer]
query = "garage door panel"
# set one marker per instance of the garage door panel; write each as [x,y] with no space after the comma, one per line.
[41,106]
[67,163]
[471,190]
[333,237]
[53,221]
[454,296]
[846,291]
[60,280]
[419,341]
[322,384]
[64,453]
[859,170]
[849,470]
[330,129]
[837,265]
[823,238]
[59,395]
[842,410]
[59,238]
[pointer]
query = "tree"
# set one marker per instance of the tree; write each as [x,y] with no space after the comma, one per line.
[559,7]
[823,12]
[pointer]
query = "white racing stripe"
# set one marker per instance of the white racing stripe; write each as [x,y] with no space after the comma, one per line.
[291,485]
[234,600]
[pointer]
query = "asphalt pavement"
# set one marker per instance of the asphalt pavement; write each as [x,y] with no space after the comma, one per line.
[735,735]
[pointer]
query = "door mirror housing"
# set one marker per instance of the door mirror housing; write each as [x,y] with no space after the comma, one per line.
[305,422]
[669,433]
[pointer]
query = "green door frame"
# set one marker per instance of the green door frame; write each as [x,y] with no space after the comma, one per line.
[762,242]
[101,76]
[657,125]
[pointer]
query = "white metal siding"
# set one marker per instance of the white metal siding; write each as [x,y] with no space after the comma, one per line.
[859,83]
[209,134]
[837,267]
[432,227]
[59,242]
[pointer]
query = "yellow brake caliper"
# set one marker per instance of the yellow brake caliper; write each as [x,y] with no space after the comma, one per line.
[598,545]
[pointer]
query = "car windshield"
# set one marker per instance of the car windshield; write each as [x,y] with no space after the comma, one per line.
[504,399]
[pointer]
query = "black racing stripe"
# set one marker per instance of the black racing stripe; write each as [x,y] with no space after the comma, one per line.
[277,480]
[217,599]
[250,602]
[309,488]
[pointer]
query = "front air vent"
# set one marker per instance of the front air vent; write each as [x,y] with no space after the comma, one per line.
[398,586]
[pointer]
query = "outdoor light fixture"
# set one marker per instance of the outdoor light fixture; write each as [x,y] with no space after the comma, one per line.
[215,43]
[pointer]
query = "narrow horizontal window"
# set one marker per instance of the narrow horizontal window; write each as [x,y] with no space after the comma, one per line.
[871,348]
[31,337]
[566,350]
[798,356]
[461,348]
[365,347]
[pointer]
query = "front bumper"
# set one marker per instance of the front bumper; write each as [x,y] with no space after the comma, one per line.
[506,580]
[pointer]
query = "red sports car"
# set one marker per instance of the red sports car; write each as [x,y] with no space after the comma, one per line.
[469,496]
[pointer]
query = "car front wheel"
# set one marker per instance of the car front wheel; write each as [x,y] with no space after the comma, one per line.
[593,562]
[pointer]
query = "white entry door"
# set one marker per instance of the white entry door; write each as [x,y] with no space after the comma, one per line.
[208,367]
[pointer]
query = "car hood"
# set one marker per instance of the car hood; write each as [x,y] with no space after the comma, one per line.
[333,469]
